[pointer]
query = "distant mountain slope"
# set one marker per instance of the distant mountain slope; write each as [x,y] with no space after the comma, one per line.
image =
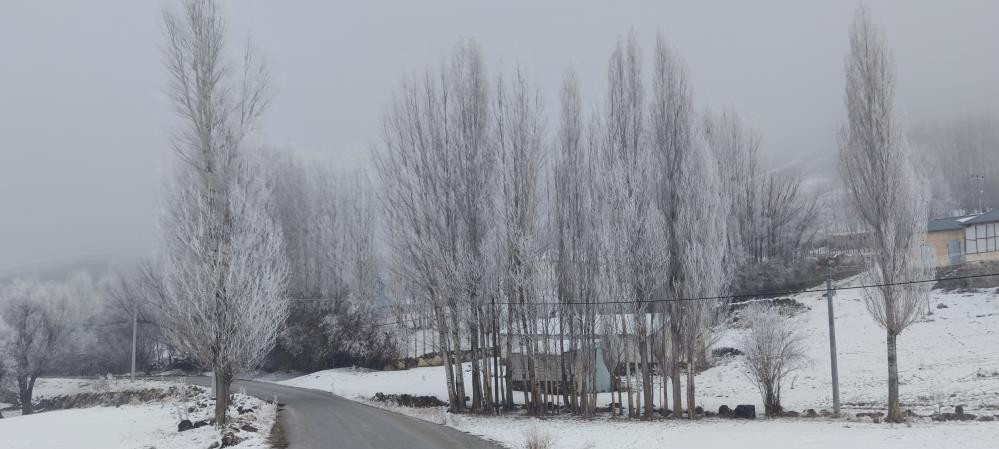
[97,265]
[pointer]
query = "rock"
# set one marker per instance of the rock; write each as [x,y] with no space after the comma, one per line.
[230,439]
[941,305]
[201,423]
[725,352]
[745,411]
[698,410]
[810,413]
[248,428]
[954,417]
[407,400]
[986,418]
[724,411]
[790,414]
[185,425]
[243,411]
[250,417]
[214,445]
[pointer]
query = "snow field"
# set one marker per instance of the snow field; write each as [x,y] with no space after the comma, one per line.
[147,426]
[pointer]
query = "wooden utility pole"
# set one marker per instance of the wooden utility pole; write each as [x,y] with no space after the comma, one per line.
[135,326]
[832,345]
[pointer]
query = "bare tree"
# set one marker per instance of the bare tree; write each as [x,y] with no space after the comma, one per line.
[575,224]
[775,347]
[519,137]
[737,151]
[877,172]
[436,170]
[39,324]
[224,264]
[634,235]
[691,199]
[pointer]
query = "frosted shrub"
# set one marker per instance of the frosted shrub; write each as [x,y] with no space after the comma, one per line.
[454,420]
[536,438]
[103,383]
[439,416]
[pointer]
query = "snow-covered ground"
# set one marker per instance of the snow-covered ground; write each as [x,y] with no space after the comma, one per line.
[146,425]
[948,359]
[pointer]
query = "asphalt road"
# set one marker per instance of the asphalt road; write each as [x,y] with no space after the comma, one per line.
[315,419]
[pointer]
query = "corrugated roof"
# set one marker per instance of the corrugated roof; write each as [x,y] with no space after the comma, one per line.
[987,217]
[944,224]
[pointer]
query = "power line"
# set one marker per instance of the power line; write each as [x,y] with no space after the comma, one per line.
[779,293]
[746,295]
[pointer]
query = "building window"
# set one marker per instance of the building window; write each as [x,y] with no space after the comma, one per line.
[981,238]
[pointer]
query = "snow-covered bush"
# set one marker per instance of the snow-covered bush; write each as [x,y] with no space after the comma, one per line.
[537,438]
[774,346]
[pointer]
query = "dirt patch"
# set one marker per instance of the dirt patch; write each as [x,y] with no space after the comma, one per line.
[980,269]
[113,398]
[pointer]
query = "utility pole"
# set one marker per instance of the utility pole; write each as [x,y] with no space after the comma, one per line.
[981,191]
[832,345]
[135,326]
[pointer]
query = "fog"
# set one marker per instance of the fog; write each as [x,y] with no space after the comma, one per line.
[84,125]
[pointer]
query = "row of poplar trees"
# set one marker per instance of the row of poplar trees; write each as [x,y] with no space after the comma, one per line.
[510,236]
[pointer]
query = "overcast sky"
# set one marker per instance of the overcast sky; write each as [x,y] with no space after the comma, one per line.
[83,123]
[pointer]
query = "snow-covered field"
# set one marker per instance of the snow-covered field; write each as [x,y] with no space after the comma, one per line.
[948,359]
[145,425]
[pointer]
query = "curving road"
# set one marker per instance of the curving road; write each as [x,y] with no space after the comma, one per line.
[315,419]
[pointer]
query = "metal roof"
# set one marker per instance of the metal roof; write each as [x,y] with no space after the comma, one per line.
[945,224]
[987,217]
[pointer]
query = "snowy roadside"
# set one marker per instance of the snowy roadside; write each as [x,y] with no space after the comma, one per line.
[136,425]
[945,361]
[566,432]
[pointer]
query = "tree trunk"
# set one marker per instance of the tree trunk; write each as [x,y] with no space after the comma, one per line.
[771,403]
[508,369]
[476,378]
[495,356]
[627,365]
[222,383]
[643,346]
[675,377]
[894,411]
[25,387]
[690,381]
[459,371]
[443,348]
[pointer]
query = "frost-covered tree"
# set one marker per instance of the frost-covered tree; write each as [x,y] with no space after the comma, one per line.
[436,169]
[633,238]
[40,320]
[692,201]
[775,347]
[519,138]
[224,265]
[736,149]
[575,218]
[880,182]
